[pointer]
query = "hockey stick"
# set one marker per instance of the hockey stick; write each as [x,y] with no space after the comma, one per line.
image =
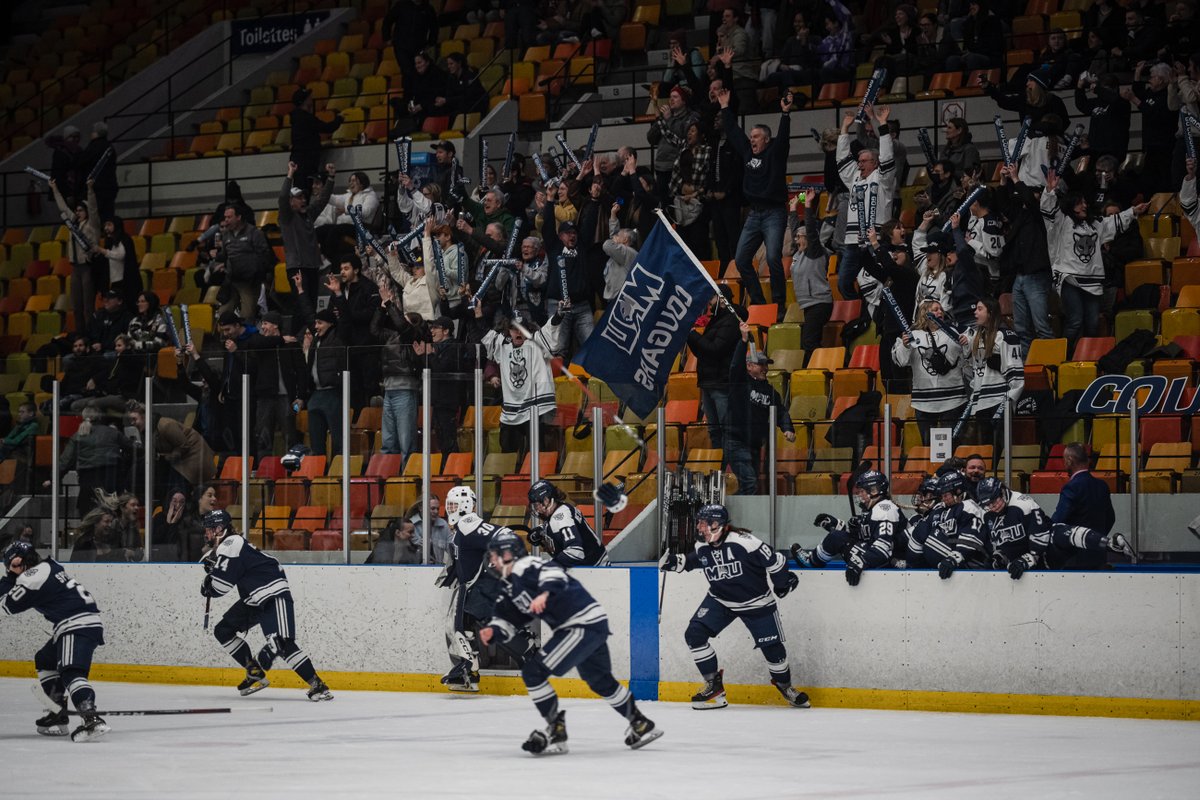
[55,708]
[207,608]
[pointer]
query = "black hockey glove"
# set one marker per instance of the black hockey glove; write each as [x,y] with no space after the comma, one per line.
[999,561]
[827,521]
[790,583]
[670,562]
[946,568]
[537,537]
[208,564]
[1016,568]
[854,567]
[206,588]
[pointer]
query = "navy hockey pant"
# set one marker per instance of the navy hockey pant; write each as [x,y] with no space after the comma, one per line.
[712,617]
[277,619]
[1076,547]
[584,649]
[63,665]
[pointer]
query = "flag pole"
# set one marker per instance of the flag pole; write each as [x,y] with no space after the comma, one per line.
[695,261]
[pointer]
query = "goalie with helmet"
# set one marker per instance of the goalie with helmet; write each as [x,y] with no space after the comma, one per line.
[744,577]
[538,588]
[63,663]
[473,591]
[867,540]
[264,599]
[566,536]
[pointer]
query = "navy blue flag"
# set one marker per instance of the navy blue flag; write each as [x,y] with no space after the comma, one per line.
[646,325]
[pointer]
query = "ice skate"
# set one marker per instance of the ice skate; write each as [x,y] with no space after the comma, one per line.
[255,681]
[93,726]
[318,691]
[1117,543]
[54,723]
[802,555]
[712,695]
[461,678]
[794,697]
[641,731]
[550,742]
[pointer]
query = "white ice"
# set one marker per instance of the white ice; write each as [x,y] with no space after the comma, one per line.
[377,744]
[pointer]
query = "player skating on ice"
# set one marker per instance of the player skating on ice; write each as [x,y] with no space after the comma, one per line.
[867,540]
[567,536]
[63,663]
[264,599]
[474,590]
[742,573]
[535,587]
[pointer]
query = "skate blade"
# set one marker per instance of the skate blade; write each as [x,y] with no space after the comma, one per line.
[646,739]
[553,750]
[53,730]
[255,687]
[706,705]
[82,736]
[321,696]
[472,688]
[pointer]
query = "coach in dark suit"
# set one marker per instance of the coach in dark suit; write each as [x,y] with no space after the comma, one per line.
[1084,500]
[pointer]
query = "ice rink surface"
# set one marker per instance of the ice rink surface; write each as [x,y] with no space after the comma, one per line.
[383,744]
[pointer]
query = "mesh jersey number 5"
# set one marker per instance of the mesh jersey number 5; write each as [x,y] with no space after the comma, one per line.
[84,593]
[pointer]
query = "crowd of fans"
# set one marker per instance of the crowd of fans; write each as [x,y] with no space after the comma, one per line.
[558,236]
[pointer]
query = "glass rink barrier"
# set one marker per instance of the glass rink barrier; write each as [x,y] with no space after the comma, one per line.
[342,454]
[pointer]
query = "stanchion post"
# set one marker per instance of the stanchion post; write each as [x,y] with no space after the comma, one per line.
[598,466]
[54,480]
[346,466]
[426,465]
[148,451]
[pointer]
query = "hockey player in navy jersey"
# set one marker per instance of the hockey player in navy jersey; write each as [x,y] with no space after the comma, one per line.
[867,541]
[957,534]
[536,587]
[1021,534]
[474,591]
[742,573]
[567,536]
[926,503]
[63,663]
[264,599]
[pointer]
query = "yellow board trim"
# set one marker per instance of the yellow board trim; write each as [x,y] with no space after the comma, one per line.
[884,699]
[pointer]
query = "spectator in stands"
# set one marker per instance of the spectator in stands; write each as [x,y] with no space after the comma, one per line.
[277,376]
[116,380]
[412,26]
[123,273]
[517,188]
[966,279]
[463,93]
[985,235]
[593,231]
[939,392]
[325,358]
[171,527]
[868,137]
[1107,19]
[125,534]
[233,197]
[397,332]
[453,269]
[982,40]
[1034,102]
[522,288]
[621,251]
[569,289]
[667,134]
[297,218]
[1159,123]
[997,375]
[98,164]
[810,276]
[19,441]
[713,341]
[1126,246]
[875,172]
[836,50]
[935,46]
[355,299]
[440,535]
[94,452]
[723,191]
[1060,63]
[88,268]
[189,457]
[959,150]
[890,266]
[422,88]
[307,129]
[247,258]
[490,209]
[1142,39]
[444,156]
[1108,133]
[399,543]
[900,41]
[736,53]
[92,542]
[944,190]
[80,371]
[416,203]
[109,322]
[525,381]
[334,227]
[451,363]
[148,330]
[483,242]
[64,159]
[683,60]
[419,292]
[520,23]
[689,177]
[1074,238]
[750,400]
[797,62]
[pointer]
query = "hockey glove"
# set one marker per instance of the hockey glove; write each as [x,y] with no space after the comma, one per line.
[673,563]
[537,537]
[206,588]
[446,578]
[208,565]
[854,566]
[998,560]
[1016,569]
[828,522]
[790,583]
[946,568]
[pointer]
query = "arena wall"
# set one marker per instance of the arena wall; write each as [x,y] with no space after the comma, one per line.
[1108,644]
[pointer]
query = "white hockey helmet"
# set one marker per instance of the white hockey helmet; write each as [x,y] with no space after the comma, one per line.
[460,501]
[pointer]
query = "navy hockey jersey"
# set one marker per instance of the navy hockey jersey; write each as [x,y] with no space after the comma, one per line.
[1021,529]
[960,527]
[878,529]
[256,575]
[49,590]
[738,570]
[469,547]
[575,543]
[568,606]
